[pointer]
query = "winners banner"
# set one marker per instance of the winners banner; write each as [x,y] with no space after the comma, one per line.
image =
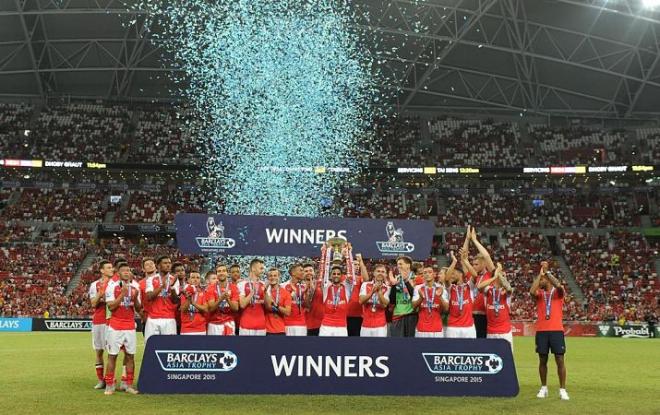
[330,365]
[198,233]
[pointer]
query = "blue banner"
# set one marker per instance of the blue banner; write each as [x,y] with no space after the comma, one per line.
[198,233]
[16,324]
[337,366]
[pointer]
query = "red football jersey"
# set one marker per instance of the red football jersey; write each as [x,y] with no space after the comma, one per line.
[162,306]
[373,313]
[479,306]
[253,317]
[122,317]
[315,315]
[223,313]
[146,304]
[354,306]
[430,316]
[298,312]
[99,286]
[193,320]
[553,298]
[275,321]
[499,322]
[336,306]
[460,317]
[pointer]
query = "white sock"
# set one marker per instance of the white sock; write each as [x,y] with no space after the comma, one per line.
[544,388]
[562,390]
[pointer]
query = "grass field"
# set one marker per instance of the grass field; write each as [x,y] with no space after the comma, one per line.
[45,373]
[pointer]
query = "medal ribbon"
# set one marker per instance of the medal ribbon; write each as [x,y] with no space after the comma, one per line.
[460,295]
[404,288]
[497,293]
[430,298]
[224,303]
[191,307]
[548,302]
[276,303]
[374,300]
[335,296]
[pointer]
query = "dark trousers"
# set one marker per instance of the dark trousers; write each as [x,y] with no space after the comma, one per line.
[313,332]
[275,334]
[353,325]
[404,326]
[480,325]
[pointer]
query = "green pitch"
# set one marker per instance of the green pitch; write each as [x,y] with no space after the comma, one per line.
[53,373]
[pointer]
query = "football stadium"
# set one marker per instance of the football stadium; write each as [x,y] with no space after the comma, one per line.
[329,206]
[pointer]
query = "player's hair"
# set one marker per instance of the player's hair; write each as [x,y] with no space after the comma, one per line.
[161,259]
[178,264]
[192,273]
[380,265]
[103,263]
[294,266]
[147,259]
[119,260]
[309,264]
[417,267]
[122,265]
[334,267]
[256,261]
[234,265]
[208,275]
[405,259]
[220,265]
[273,269]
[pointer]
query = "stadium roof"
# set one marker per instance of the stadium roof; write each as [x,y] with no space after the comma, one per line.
[564,57]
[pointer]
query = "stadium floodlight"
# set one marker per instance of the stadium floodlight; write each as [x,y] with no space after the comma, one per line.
[650,4]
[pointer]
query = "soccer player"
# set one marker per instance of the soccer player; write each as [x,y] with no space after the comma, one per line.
[295,322]
[374,297]
[404,317]
[497,295]
[480,269]
[277,304]
[336,293]
[235,274]
[549,295]
[163,291]
[222,303]
[315,305]
[179,271]
[149,270]
[193,307]
[122,298]
[354,312]
[460,323]
[431,300]
[251,300]
[99,326]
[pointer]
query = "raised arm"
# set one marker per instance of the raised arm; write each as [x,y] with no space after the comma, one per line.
[465,262]
[466,242]
[535,284]
[554,281]
[482,250]
[363,268]
[452,266]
